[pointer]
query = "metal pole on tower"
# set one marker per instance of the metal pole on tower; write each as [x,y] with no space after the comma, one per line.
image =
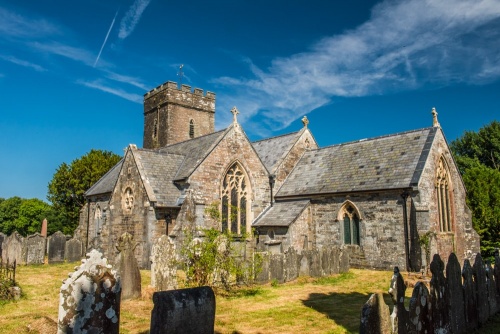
[180,74]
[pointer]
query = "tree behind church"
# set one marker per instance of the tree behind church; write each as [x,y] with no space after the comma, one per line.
[69,183]
[478,158]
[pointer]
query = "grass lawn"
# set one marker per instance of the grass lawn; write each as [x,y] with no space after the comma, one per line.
[324,305]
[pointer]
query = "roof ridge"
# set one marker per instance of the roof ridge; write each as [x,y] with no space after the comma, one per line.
[374,138]
[184,141]
[282,135]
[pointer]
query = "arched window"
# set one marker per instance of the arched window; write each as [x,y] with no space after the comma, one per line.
[235,201]
[155,128]
[443,196]
[191,129]
[350,218]
[98,220]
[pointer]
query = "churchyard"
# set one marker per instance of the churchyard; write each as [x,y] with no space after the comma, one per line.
[313,305]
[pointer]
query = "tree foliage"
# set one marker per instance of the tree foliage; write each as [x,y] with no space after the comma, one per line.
[69,183]
[478,159]
[23,215]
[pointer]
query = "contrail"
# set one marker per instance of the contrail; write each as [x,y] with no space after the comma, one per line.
[106,38]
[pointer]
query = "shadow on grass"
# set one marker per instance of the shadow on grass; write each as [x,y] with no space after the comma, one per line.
[343,308]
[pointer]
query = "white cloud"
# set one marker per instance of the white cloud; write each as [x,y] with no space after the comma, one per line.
[132,17]
[128,80]
[99,85]
[23,63]
[14,25]
[404,45]
[74,53]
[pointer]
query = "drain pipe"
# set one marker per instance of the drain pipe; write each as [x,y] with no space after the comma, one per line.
[272,180]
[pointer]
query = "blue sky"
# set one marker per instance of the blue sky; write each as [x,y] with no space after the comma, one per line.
[73,73]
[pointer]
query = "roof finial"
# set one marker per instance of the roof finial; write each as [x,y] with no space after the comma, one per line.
[235,112]
[305,121]
[435,122]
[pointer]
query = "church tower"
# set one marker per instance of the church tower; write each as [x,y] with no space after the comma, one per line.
[172,115]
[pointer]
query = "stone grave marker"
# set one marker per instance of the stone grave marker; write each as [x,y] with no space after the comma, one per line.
[183,311]
[43,232]
[127,267]
[439,304]
[399,316]
[13,249]
[455,295]
[73,250]
[56,244]
[163,268]
[420,315]
[35,248]
[470,300]
[2,238]
[89,301]
[375,318]
[483,306]
[492,289]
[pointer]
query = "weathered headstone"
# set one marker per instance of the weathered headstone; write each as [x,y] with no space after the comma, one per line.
[276,267]
[183,311]
[291,265]
[483,306]
[35,248]
[56,245]
[163,267]
[399,314]
[13,249]
[375,318]
[43,232]
[89,300]
[420,315]
[492,289]
[439,304]
[344,261]
[470,298]
[127,268]
[73,250]
[455,295]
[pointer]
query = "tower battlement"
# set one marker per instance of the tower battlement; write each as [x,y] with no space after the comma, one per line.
[168,92]
[173,114]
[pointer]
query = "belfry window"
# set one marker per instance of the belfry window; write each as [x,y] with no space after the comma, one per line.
[443,196]
[350,223]
[235,203]
[191,129]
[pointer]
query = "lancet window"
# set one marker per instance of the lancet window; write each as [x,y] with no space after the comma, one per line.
[350,223]
[443,196]
[98,220]
[191,129]
[235,200]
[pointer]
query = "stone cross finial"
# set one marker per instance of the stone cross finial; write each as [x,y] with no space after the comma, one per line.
[305,121]
[435,122]
[235,112]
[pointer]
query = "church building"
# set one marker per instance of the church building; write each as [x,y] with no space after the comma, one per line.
[388,201]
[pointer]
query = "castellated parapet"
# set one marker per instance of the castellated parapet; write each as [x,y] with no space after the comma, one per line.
[173,114]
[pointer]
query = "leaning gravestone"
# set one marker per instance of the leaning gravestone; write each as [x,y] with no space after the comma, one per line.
[163,267]
[375,318]
[127,268]
[57,245]
[35,249]
[13,249]
[73,250]
[183,311]
[89,301]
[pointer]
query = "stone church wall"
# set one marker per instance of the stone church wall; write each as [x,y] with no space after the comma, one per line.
[205,182]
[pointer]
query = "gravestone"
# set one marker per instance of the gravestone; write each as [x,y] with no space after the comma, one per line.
[291,265]
[127,268]
[399,314]
[183,311]
[13,249]
[264,274]
[35,248]
[73,250]
[163,267]
[439,304]
[492,289]
[43,232]
[335,258]
[344,261]
[89,301]
[375,318]
[2,238]
[483,306]
[276,267]
[455,295]
[420,315]
[470,298]
[56,247]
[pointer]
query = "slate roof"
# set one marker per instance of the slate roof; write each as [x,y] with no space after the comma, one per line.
[387,162]
[194,151]
[159,170]
[107,182]
[282,213]
[273,150]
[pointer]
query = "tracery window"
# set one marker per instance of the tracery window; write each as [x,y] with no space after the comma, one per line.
[129,199]
[350,223]
[98,220]
[191,129]
[443,196]
[235,202]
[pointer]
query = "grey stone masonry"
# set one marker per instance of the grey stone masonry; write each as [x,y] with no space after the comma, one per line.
[35,248]
[56,247]
[183,311]
[89,300]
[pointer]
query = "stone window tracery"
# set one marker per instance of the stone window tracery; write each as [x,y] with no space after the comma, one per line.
[350,224]
[128,199]
[235,202]
[443,196]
